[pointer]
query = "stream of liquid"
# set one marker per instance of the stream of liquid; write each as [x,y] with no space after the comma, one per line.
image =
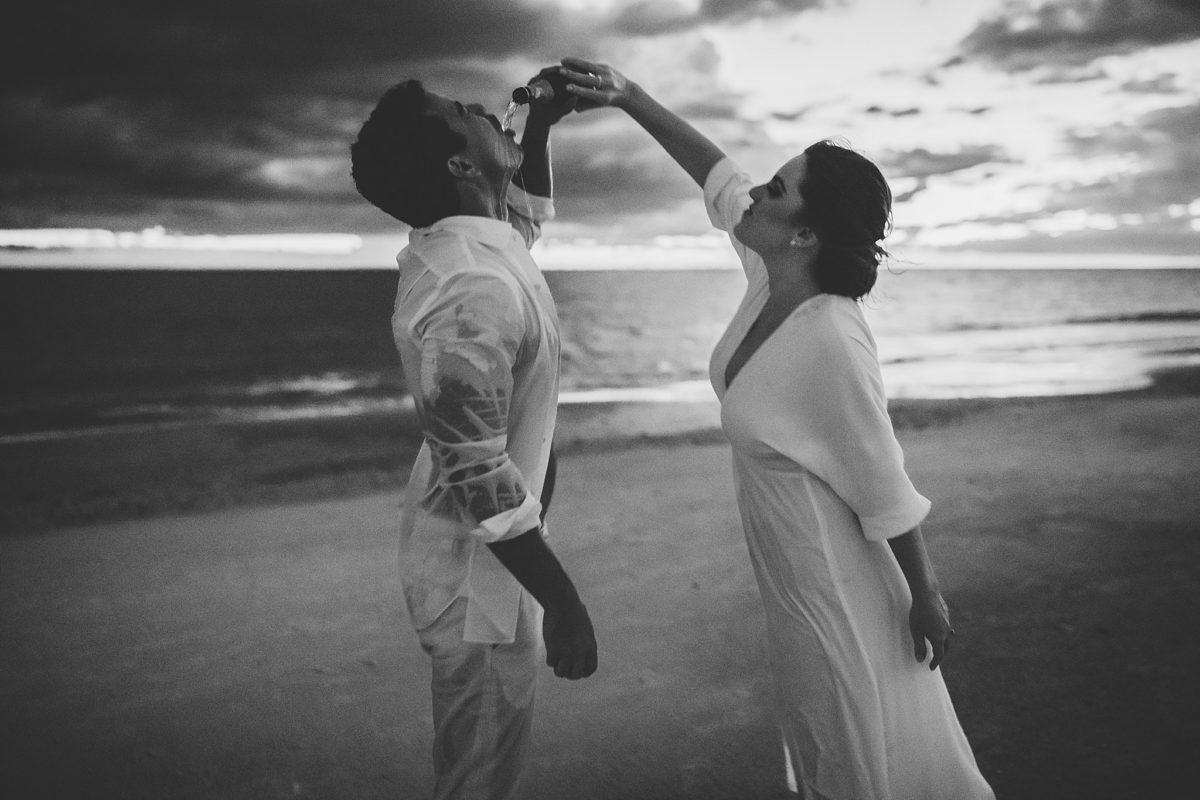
[506,123]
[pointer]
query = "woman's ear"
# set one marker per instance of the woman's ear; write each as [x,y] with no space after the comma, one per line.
[461,167]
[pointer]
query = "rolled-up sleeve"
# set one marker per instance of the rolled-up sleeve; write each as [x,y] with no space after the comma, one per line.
[726,194]
[860,457]
[470,337]
[726,198]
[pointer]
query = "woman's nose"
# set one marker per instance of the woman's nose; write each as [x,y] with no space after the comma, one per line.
[756,192]
[476,108]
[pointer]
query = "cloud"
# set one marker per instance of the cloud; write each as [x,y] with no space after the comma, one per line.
[1027,32]
[1168,170]
[1126,186]
[921,163]
[656,17]
[138,105]
[233,117]
[725,10]
[224,48]
[611,169]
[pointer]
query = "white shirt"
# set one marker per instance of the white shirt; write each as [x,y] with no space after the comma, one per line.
[477,334]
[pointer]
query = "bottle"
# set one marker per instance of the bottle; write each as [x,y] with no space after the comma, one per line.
[550,89]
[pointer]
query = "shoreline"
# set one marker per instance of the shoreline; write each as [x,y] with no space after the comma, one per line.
[47,485]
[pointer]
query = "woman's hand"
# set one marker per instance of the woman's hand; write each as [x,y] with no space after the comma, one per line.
[929,619]
[547,114]
[595,84]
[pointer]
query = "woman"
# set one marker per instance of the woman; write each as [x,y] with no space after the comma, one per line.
[818,473]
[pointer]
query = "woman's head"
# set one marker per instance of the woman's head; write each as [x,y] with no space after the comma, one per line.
[848,205]
[831,197]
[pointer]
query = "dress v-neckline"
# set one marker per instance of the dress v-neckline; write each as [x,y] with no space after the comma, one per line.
[729,379]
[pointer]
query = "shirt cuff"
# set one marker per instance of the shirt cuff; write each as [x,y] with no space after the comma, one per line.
[511,523]
[537,208]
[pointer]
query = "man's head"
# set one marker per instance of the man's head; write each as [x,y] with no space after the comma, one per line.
[420,154]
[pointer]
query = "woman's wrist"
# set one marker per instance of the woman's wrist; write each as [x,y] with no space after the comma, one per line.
[927,588]
[632,95]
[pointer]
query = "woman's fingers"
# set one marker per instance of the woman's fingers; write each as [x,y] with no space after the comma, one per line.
[580,65]
[939,652]
[919,645]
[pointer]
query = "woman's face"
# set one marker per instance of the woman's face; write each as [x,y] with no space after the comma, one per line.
[771,221]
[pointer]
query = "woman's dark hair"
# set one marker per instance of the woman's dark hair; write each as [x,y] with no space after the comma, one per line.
[848,205]
[398,161]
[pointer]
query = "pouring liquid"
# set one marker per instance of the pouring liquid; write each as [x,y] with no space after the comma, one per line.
[506,122]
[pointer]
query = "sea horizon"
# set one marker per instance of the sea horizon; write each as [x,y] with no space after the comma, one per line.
[92,351]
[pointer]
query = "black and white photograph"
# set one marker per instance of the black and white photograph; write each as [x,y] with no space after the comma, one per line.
[652,399]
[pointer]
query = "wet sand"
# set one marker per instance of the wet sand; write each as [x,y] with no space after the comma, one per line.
[252,644]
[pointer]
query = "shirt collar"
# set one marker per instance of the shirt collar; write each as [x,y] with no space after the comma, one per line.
[486,230]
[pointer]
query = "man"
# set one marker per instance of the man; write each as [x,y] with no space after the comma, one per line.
[478,339]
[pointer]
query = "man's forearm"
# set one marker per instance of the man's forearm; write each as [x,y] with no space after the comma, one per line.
[535,175]
[534,565]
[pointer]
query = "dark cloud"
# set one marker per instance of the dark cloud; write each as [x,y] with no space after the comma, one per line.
[141,105]
[1168,170]
[1052,74]
[743,9]
[714,107]
[620,173]
[894,112]
[922,163]
[655,17]
[1026,33]
[1160,84]
[1168,174]
[231,49]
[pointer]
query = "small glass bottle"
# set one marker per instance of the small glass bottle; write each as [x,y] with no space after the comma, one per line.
[548,89]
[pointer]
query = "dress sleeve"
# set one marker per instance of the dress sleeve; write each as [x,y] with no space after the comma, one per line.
[527,212]
[845,436]
[470,335]
[726,197]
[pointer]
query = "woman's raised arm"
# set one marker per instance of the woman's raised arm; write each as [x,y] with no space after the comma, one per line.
[600,85]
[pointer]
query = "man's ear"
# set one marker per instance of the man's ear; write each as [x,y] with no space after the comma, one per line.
[462,167]
[804,237]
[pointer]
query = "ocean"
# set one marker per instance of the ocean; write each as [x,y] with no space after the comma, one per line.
[86,352]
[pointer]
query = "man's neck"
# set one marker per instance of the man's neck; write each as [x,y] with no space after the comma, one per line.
[485,201]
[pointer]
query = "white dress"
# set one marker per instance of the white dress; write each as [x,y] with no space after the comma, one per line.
[821,486]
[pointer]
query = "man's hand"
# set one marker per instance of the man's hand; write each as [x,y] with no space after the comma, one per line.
[570,641]
[596,84]
[566,627]
[930,619]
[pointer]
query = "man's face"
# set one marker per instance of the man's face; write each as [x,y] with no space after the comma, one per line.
[491,149]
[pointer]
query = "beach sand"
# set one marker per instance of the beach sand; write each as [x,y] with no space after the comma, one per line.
[213,634]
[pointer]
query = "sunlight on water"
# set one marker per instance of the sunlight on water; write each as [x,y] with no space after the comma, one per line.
[682,392]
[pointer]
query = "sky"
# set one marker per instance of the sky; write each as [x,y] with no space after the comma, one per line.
[222,128]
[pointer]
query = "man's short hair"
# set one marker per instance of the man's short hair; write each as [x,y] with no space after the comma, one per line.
[398,161]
